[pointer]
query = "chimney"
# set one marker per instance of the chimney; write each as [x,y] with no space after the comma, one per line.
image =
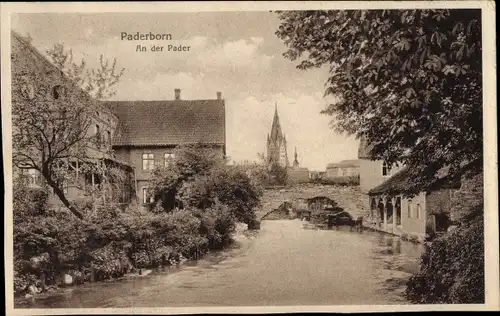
[177,94]
[219,95]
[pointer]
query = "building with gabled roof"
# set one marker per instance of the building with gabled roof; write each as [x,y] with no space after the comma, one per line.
[149,131]
[424,214]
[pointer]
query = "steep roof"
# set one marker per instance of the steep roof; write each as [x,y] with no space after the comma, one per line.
[170,122]
[398,183]
[393,185]
[276,132]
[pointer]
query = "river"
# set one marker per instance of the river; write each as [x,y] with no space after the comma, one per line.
[282,264]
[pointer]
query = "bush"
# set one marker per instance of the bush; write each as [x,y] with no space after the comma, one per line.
[190,162]
[452,268]
[217,224]
[278,175]
[228,186]
[198,179]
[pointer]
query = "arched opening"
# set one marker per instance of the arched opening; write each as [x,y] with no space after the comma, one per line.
[390,211]
[373,207]
[398,211]
[381,208]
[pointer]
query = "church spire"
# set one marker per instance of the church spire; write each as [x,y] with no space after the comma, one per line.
[276,132]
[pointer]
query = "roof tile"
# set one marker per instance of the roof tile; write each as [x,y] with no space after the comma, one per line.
[174,122]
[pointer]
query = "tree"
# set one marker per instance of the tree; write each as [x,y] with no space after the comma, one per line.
[227,185]
[51,115]
[189,162]
[407,81]
[99,83]
[275,173]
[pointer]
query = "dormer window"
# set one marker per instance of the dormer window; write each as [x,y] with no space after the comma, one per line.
[386,169]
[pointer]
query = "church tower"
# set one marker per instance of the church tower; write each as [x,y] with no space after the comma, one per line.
[276,143]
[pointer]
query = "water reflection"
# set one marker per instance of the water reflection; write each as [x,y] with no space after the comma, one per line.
[283,264]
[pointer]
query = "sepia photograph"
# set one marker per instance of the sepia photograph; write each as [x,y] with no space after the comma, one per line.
[299,155]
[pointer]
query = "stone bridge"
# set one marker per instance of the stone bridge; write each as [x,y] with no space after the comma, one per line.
[349,198]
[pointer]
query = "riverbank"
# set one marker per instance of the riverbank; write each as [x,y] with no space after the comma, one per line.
[241,232]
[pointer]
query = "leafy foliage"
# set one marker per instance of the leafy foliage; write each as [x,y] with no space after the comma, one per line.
[53,242]
[273,173]
[278,174]
[452,268]
[197,178]
[99,83]
[228,186]
[190,162]
[408,81]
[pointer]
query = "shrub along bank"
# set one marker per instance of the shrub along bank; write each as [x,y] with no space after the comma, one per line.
[52,243]
[49,244]
[452,268]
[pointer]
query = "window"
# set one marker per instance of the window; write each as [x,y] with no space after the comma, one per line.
[146,199]
[169,159]
[409,209]
[148,161]
[109,137]
[418,210]
[386,169]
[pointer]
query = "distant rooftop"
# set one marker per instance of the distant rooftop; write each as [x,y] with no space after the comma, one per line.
[344,164]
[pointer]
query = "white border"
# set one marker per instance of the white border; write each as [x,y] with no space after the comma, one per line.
[490,141]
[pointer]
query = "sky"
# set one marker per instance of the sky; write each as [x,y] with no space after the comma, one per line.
[236,53]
